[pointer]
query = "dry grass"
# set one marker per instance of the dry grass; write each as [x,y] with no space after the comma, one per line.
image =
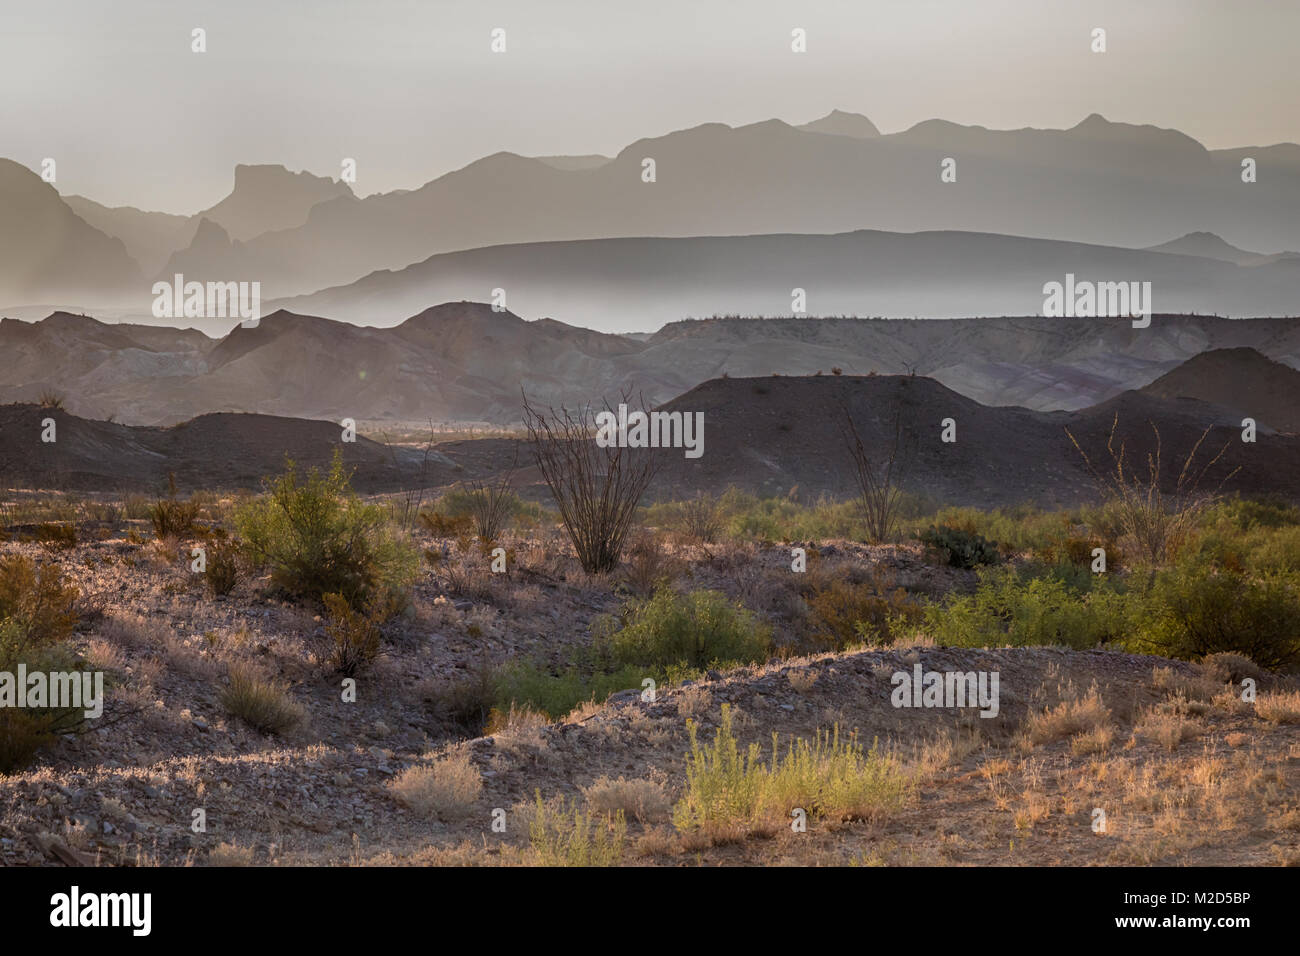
[230,854]
[1279,708]
[802,681]
[1167,727]
[261,703]
[1068,719]
[642,800]
[445,789]
[693,701]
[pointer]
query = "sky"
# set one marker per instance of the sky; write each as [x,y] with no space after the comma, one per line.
[412,90]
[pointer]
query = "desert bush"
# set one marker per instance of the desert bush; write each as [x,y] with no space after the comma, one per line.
[57,535]
[1197,611]
[695,630]
[960,548]
[597,489]
[880,472]
[355,636]
[1226,667]
[171,517]
[37,601]
[563,835]
[25,730]
[702,518]
[842,613]
[465,702]
[1159,517]
[532,685]
[319,538]
[221,572]
[444,790]
[1008,609]
[261,703]
[51,399]
[647,565]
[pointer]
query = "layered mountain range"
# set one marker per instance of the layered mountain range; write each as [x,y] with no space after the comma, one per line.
[463,361]
[1097,184]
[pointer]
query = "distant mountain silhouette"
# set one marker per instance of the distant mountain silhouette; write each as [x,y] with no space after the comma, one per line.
[1098,182]
[1208,246]
[264,198]
[47,252]
[840,123]
[626,285]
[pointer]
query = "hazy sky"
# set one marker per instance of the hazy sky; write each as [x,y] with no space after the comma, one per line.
[410,89]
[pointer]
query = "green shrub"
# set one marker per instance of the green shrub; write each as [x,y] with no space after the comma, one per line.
[23,731]
[465,702]
[697,630]
[1009,609]
[319,538]
[37,601]
[1199,611]
[531,685]
[960,548]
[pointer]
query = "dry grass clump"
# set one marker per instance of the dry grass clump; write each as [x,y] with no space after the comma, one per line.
[1279,708]
[230,854]
[1168,727]
[802,681]
[1068,719]
[259,702]
[444,790]
[1199,687]
[642,800]
[693,701]
[1097,740]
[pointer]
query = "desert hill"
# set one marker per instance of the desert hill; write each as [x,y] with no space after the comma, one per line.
[211,451]
[775,435]
[1240,379]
